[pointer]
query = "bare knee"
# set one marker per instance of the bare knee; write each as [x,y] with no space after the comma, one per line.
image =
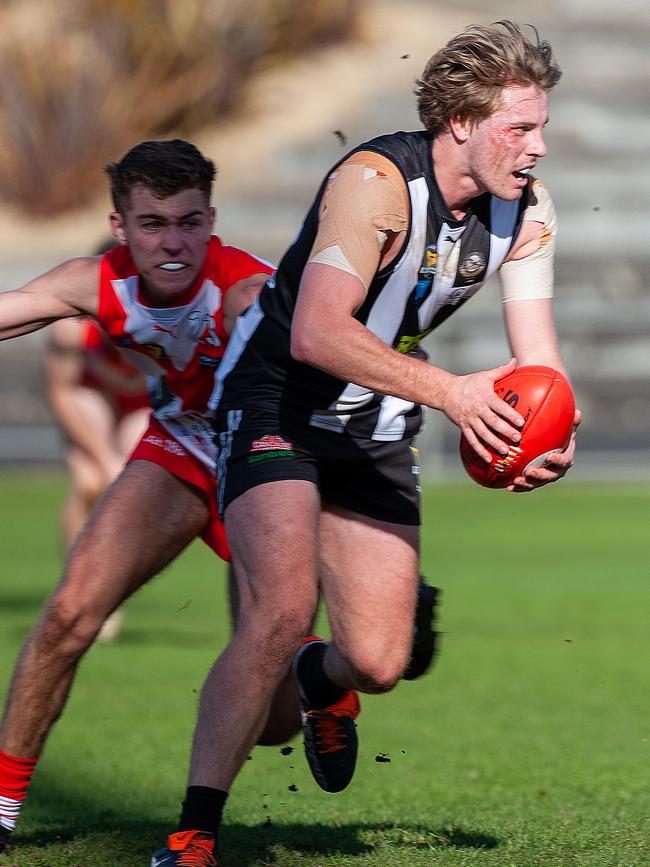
[66,629]
[277,634]
[377,672]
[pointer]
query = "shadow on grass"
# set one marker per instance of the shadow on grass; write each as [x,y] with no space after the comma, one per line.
[249,846]
[58,817]
[133,840]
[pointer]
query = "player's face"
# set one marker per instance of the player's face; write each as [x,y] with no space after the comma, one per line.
[168,239]
[504,147]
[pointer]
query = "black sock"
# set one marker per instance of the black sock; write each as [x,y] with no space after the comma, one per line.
[319,690]
[202,809]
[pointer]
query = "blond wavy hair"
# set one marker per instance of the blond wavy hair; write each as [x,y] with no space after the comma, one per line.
[466,77]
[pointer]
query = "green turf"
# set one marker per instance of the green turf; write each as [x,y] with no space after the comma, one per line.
[527,746]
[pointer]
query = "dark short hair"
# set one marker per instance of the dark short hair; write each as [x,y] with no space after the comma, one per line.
[164,167]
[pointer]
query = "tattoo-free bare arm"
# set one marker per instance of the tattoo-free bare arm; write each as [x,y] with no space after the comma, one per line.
[533,339]
[325,334]
[70,289]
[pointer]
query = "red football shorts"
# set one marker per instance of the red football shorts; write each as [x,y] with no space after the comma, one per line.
[158,447]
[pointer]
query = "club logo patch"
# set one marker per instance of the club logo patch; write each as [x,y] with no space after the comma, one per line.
[472,266]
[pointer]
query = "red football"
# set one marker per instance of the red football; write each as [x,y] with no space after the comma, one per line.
[544,398]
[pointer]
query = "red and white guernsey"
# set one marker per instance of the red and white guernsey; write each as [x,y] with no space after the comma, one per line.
[177,348]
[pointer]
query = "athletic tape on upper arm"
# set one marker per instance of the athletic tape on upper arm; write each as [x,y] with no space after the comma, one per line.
[531,277]
[366,198]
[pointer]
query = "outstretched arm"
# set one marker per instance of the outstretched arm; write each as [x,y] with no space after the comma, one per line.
[69,289]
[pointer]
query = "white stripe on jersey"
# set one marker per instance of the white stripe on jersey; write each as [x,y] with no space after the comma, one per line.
[234,417]
[503,218]
[244,328]
[176,329]
[391,423]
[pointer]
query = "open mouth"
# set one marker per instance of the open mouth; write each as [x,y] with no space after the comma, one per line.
[522,174]
[173,266]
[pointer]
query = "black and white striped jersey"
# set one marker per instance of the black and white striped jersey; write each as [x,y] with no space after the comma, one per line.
[443,262]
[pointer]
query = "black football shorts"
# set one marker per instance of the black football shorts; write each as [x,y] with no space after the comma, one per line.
[378,479]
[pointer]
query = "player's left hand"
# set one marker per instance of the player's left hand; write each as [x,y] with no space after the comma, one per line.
[555,466]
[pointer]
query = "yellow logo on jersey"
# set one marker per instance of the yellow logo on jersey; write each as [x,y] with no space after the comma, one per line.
[155,350]
[408,343]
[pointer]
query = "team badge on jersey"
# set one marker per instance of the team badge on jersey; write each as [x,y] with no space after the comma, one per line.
[472,266]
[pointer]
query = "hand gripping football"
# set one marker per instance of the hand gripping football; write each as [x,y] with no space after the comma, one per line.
[544,398]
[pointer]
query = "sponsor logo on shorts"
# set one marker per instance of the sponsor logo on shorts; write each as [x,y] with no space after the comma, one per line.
[269,447]
[271,442]
[168,445]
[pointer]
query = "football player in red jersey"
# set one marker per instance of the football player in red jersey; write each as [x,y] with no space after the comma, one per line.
[168,297]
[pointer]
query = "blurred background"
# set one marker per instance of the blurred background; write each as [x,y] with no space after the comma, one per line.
[275,91]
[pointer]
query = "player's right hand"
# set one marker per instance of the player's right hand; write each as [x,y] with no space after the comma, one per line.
[484,418]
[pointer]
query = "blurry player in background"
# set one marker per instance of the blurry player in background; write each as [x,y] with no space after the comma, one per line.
[101,405]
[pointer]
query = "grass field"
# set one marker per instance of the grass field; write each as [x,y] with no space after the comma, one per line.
[527,745]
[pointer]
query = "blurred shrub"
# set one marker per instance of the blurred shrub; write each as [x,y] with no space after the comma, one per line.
[83,80]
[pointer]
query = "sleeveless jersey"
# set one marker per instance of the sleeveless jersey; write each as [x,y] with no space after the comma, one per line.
[442,263]
[179,347]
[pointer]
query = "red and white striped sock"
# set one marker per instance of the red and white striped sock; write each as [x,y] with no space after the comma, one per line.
[15,775]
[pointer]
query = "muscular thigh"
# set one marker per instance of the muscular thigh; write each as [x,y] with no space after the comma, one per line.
[368,477]
[369,572]
[273,530]
[140,524]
